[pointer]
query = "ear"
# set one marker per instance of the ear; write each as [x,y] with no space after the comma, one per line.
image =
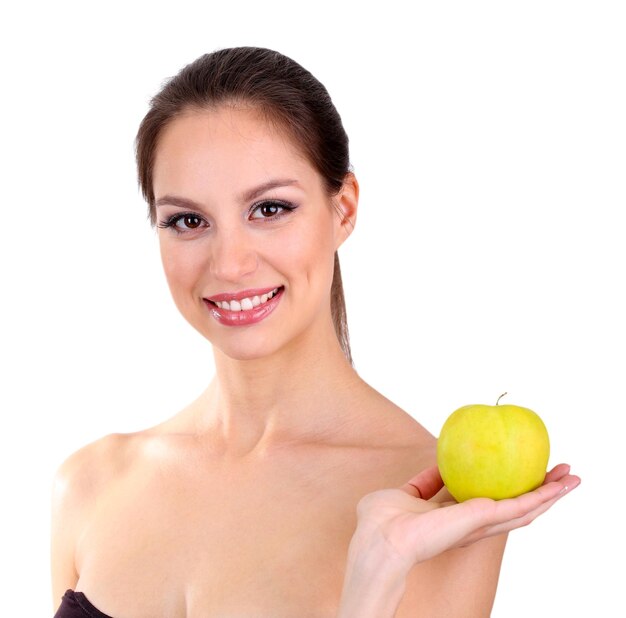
[346,203]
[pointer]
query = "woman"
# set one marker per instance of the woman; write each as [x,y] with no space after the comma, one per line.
[272,493]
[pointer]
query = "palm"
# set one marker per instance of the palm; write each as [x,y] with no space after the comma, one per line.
[414,527]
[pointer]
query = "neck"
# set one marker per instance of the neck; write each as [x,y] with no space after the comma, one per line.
[298,395]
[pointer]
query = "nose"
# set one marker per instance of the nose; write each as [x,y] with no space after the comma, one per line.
[233,256]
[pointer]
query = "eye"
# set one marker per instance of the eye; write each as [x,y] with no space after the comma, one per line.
[183,222]
[271,209]
[189,221]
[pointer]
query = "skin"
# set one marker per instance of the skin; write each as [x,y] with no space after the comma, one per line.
[269,493]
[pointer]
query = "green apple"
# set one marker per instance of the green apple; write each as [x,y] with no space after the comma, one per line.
[494,452]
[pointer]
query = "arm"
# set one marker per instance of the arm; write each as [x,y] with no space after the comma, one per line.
[400,531]
[460,582]
[374,583]
[75,489]
[62,541]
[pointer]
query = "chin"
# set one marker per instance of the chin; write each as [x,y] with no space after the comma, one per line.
[246,349]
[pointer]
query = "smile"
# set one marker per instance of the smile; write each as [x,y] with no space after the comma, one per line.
[245,304]
[247,310]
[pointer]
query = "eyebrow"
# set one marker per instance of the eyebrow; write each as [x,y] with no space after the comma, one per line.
[266,186]
[251,194]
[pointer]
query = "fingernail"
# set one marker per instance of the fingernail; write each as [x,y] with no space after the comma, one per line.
[564,490]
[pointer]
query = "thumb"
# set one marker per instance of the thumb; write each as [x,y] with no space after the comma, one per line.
[425,484]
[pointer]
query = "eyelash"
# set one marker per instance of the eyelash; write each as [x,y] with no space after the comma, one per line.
[174,219]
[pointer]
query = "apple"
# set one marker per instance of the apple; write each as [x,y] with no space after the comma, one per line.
[493,452]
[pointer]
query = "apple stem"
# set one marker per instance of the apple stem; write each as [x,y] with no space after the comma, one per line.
[503,394]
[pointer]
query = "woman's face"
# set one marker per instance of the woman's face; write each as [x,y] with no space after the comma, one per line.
[241,213]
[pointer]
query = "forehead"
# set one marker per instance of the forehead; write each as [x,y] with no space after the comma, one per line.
[226,150]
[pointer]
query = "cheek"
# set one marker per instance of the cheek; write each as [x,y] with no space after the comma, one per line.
[310,252]
[180,268]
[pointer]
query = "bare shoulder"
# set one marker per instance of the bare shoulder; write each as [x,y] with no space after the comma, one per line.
[399,428]
[82,477]
[85,471]
[78,483]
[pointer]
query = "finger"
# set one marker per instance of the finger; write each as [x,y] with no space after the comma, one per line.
[487,513]
[571,482]
[556,473]
[425,484]
[513,513]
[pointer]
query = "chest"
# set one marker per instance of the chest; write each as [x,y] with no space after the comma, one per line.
[228,543]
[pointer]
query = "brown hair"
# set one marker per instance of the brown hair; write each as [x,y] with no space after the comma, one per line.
[286,94]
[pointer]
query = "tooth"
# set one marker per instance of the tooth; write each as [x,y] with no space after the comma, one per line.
[256,301]
[264,298]
[235,306]
[246,304]
[222,305]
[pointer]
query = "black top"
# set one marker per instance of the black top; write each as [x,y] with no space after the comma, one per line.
[76,605]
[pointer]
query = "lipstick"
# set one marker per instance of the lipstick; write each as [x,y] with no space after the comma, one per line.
[247,316]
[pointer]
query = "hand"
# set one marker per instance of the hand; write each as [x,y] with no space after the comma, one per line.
[409,527]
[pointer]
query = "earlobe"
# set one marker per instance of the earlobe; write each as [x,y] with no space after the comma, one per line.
[346,205]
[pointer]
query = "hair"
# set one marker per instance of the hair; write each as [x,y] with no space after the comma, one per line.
[288,97]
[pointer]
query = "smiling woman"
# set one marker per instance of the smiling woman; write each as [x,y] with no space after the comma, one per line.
[247,230]
[292,103]
[290,487]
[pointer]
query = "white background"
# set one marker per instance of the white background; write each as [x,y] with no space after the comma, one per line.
[489,140]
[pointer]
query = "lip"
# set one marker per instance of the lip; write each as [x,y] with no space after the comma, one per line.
[245,317]
[243,294]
